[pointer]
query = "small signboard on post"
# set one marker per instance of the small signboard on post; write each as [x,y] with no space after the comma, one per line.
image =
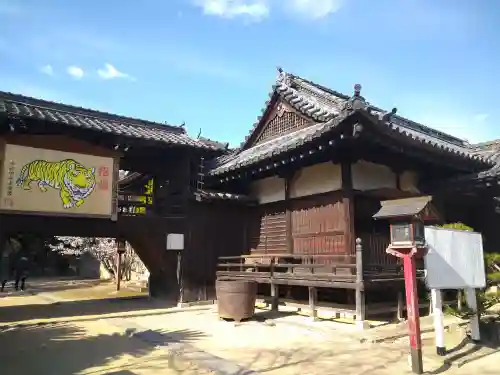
[454,260]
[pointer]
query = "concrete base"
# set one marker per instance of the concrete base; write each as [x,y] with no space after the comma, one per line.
[362,324]
[196,303]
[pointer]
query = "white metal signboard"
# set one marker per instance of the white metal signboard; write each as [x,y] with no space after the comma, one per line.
[455,259]
[175,241]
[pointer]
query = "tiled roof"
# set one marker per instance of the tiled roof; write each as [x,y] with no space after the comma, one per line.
[216,195]
[270,148]
[489,151]
[402,207]
[215,144]
[26,107]
[327,108]
[322,104]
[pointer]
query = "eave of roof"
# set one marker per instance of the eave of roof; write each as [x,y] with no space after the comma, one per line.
[210,195]
[405,207]
[489,151]
[14,105]
[294,140]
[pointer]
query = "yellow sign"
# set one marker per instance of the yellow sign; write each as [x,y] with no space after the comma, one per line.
[41,180]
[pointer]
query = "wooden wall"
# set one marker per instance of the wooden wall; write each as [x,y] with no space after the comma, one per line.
[306,213]
[318,224]
[267,229]
[215,229]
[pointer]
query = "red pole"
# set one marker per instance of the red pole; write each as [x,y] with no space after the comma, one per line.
[412,308]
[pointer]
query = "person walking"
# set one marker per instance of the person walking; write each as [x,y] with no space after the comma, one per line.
[5,264]
[22,268]
[4,270]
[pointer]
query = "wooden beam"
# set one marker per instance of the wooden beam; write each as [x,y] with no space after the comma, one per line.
[348,203]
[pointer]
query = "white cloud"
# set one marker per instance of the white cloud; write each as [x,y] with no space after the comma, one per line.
[75,71]
[110,72]
[258,10]
[47,69]
[255,10]
[315,9]
[480,117]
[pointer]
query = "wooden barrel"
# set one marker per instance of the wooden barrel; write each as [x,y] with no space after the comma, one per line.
[236,298]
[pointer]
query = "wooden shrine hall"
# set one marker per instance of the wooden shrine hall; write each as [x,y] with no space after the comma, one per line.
[317,164]
[290,208]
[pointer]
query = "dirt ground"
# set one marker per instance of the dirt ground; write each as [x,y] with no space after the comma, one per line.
[38,336]
[80,327]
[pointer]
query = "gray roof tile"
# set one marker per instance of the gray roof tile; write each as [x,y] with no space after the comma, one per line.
[489,151]
[217,195]
[26,107]
[325,107]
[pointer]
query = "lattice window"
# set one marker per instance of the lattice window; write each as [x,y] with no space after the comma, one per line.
[282,124]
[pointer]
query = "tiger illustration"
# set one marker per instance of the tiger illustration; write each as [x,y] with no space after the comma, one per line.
[72,179]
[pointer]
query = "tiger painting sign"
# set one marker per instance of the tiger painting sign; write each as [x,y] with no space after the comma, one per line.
[54,182]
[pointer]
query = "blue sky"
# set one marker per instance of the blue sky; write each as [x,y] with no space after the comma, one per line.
[211,63]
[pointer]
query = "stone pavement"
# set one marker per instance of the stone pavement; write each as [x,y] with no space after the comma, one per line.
[194,340]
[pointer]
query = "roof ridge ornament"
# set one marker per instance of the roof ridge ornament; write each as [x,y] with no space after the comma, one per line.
[355,102]
[387,116]
[283,77]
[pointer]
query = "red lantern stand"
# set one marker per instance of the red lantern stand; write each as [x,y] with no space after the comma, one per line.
[406,219]
[409,256]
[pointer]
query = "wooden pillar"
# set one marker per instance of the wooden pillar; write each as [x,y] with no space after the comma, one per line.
[288,177]
[360,293]
[121,247]
[118,271]
[313,298]
[274,297]
[348,203]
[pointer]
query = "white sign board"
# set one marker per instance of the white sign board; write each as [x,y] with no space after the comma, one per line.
[455,259]
[175,241]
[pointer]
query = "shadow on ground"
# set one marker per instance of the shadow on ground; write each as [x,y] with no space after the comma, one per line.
[65,349]
[467,353]
[79,308]
[36,286]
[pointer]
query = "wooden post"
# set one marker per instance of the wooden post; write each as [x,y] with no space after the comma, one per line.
[118,271]
[274,289]
[360,295]
[313,298]
[459,300]
[412,309]
[121,247]
[437,309]
[288,214]
[274,297]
